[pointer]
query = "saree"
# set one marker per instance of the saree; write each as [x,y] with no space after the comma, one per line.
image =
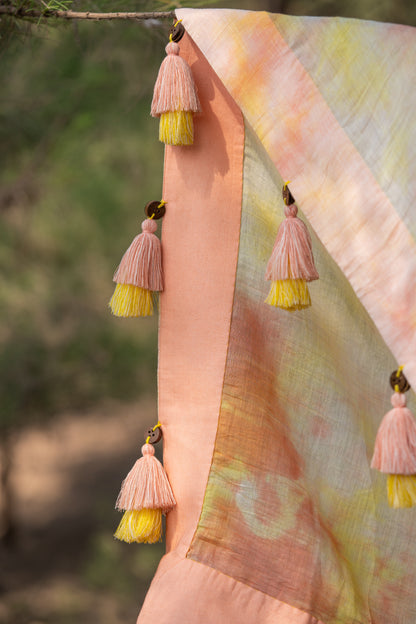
[269,417]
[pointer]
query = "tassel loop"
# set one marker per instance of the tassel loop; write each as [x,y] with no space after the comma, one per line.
[291,211]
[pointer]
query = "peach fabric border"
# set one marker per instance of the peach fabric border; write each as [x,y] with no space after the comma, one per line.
[201,230]
[187,592]
[333,184]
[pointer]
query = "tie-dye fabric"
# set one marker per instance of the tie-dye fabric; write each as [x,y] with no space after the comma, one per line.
[270,417]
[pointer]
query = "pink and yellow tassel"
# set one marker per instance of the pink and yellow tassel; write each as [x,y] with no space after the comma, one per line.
[291,263]
[395,451]
[175,97]
[145,495]
[139,275]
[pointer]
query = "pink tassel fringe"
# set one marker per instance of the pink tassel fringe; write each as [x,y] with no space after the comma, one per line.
[146,486]
[395,445]
[141,265]
[292,256]
[175,88]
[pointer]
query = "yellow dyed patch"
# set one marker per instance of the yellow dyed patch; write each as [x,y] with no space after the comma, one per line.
[131,301]
[144,526]
[290,294]
[401,490]
[176,128]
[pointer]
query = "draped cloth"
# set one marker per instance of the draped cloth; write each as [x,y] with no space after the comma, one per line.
[269,417]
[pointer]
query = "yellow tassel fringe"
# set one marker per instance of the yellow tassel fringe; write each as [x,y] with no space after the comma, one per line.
[131,301]
[290,294]
[144,526]
[401,490]
[176,128]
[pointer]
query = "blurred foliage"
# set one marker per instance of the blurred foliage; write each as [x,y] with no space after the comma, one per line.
[80,159]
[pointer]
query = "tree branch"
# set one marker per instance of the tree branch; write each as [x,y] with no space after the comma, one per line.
[22,13]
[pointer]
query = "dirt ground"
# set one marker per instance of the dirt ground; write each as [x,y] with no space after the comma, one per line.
[64,565]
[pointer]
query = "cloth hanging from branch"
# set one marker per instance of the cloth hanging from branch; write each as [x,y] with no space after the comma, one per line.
[269,416]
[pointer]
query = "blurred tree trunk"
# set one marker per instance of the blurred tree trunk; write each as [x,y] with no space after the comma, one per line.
[7,515]
[278,6]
